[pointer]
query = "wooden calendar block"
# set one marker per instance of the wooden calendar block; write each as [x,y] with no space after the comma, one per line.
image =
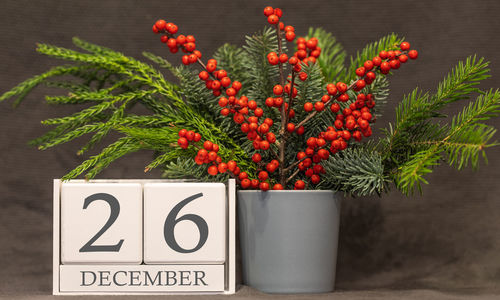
[101,223]
[184,223]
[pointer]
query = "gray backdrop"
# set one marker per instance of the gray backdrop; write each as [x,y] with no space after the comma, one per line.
[447,239]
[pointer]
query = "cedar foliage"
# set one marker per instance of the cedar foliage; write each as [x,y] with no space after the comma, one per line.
[108,84]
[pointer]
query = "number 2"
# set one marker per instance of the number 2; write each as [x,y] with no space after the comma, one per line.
[115,211]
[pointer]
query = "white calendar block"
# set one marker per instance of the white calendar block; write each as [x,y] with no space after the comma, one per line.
[184,223]
[101,223]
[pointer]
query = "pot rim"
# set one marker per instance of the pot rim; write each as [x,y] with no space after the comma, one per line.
[286,191]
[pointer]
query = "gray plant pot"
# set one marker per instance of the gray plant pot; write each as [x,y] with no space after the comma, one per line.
[289,240]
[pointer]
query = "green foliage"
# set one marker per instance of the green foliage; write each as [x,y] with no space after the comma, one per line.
[356,171]
[107,84]
[414,144]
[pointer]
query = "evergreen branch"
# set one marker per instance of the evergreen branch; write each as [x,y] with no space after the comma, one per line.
[80,116]
[71,135]
[331,60]
[96,49]
[356,171]
[160,61]
[117,149]
[411,173]
[22,89]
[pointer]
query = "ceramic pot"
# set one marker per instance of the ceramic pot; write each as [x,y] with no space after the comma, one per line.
[289,240]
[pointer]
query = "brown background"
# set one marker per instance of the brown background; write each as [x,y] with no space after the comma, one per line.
[448,239]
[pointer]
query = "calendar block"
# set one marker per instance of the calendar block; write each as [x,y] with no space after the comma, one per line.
[184,223]
[144,237]
[101,223]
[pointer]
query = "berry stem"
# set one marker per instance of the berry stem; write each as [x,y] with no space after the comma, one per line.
[282,132]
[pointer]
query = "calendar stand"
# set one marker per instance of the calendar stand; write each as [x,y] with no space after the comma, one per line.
[227,271]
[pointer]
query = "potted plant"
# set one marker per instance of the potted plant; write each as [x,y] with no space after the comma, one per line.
[287,125]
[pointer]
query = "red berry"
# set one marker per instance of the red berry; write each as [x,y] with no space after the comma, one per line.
[270,167]
[203,75]
[190,135]
[308,106]
[278,12]
[172,29]
[273,19]
[181,39]
[360,84]
[385,67]
[208,145]
[225,81]
[377,61]
[311,142]
[290,127]
[263,175]
[197,137]
[155,29]
[360,71]
[319,106]
[211,67]
[160,24]
[283,58]
[264,145]
[403,58]
[413,54]
[185,60]
[293,60]
[190,39]
[278,90]
[312,43]
[268,11]
[331,89]
[255,183]
[300,130]
[341,87]
[290,36]
[258,112]
[212,170]
[404,46]
[343,98]
[302,76]
[273,59]
[236,85]
[370,76]
[300,185]
[190,47]
[277,186]
[183,142]
[315,179]
[230,92]
[270,102]
[335,107]
[264,186]
[182,132]
[245,183]
[368,65]
[222,167]
[395,64]
[256,157]
[271,138]
[383,54]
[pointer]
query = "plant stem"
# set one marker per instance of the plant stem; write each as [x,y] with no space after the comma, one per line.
[282,132]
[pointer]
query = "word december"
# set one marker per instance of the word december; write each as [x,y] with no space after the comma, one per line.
[143,278]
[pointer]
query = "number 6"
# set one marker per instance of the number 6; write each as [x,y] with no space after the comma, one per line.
[172,220]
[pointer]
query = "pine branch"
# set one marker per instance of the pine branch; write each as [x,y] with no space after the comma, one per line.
[22,89]
[356,171]
[99,162]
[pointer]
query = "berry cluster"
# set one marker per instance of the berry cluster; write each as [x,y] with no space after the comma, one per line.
[352,123]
